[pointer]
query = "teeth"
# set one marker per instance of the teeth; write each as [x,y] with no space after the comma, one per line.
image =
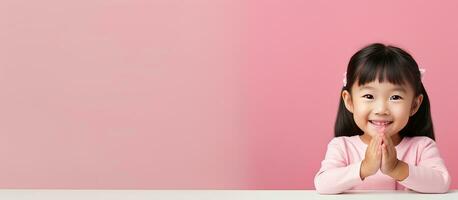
[380,123]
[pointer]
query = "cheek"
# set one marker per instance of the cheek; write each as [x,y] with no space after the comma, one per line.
[360,107]
[402,116]
[402,112]
[360,116]
[361,112]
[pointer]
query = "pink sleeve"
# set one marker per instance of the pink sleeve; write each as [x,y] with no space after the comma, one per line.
[429,174]
[335,175]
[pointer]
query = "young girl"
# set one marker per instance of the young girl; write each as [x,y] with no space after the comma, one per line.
[384,138]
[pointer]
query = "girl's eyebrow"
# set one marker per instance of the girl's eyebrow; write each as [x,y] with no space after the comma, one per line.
[398,88]
[367,88]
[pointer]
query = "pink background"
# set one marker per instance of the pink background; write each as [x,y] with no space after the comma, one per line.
[168,94]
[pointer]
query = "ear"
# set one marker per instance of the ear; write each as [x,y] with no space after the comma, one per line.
[346,96]
[416,104]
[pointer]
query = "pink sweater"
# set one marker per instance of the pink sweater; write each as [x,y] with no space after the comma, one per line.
[341,167]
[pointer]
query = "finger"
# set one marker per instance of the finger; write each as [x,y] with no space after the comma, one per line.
[382,136]
[390,152]
[373,139]
[379,151]
[393,151]
[384,151]
[389,141]
[371,143]
[378,142]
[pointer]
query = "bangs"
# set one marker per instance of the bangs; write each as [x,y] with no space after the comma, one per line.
[384,68]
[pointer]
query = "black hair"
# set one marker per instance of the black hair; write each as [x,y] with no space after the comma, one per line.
[385,62]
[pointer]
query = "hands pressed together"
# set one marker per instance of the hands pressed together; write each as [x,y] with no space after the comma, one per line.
[381,155]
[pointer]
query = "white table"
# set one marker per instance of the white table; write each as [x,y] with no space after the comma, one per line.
[26,194]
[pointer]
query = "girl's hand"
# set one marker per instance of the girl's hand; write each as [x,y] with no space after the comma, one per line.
[373,157]
[389,158]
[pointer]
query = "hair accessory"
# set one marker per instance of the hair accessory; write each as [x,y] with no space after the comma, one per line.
[345,79]
[422,72]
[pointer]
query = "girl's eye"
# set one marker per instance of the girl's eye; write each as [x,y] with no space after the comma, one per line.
[368,96]
[395,97]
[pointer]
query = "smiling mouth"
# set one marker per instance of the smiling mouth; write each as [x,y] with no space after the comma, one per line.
[380,123]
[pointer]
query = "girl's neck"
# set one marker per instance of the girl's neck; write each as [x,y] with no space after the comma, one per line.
[366,138]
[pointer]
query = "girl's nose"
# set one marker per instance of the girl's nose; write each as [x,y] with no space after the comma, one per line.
[381,108]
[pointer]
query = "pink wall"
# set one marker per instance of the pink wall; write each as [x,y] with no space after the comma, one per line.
[196,94]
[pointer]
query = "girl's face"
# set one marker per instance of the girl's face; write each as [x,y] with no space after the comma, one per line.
[378,105]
